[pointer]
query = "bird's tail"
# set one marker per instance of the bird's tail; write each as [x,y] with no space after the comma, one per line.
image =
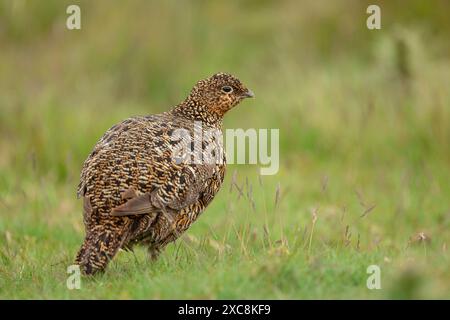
[99,247]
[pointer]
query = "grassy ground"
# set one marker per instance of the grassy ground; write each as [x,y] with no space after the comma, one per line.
[364,119]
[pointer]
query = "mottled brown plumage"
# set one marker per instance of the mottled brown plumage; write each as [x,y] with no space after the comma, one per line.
[135,187]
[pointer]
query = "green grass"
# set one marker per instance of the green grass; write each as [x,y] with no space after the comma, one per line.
[364,119]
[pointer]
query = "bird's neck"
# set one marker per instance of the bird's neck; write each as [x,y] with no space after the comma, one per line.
[192,110]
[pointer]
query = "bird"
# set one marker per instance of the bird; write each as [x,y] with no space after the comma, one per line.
[140,184]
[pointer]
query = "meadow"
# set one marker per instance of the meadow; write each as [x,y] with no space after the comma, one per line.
[364,120]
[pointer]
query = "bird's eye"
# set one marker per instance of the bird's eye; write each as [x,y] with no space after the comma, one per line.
[227,89]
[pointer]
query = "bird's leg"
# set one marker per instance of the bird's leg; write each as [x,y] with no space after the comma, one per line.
[153,252]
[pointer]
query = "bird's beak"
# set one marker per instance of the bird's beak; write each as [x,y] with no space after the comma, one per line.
[248,94]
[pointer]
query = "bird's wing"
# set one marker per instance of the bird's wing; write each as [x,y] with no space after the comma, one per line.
[182,188]
[140,204]
[133,170]
[185,185]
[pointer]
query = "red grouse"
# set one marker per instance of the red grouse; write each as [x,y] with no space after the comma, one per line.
[140,185]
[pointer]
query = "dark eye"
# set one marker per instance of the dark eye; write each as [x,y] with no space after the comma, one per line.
[227,89]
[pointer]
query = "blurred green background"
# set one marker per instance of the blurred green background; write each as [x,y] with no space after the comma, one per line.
[364,119]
